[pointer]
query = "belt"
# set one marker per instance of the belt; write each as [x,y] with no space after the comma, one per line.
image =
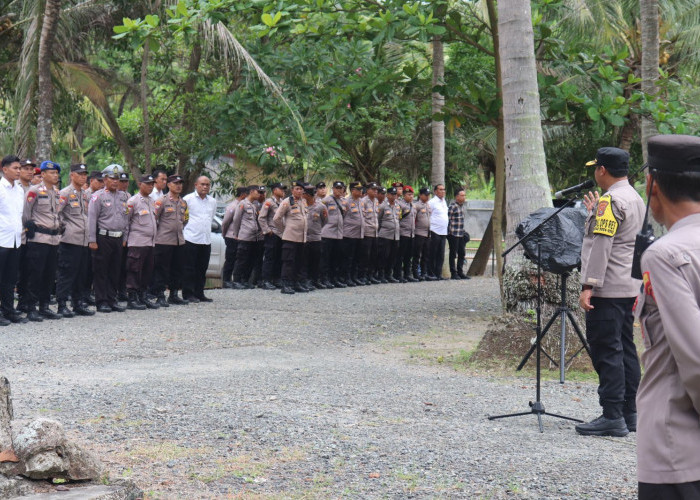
[111,234]
[43,230]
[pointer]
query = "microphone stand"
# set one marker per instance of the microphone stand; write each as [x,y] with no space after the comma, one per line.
[537,407]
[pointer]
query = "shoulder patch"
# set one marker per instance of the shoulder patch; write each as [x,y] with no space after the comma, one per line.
[31,195]
[605,221]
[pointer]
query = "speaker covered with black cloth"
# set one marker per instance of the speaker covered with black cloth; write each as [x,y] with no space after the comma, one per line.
[560,238]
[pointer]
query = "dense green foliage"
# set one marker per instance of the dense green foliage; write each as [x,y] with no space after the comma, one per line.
[327,89]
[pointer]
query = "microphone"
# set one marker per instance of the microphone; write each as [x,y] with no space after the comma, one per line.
[574,189]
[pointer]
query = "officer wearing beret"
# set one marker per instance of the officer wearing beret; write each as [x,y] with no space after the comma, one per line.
[353,232]
[272,258]
[40,219]
[317,216]
[141,239]
[368,247]
[169,252]
[668,308]
[231,242]
[608,292]
[332,237]
[291,220]
[245,228]
[107,222]
[421,237]
[407,229]
[73,251]
[388,233]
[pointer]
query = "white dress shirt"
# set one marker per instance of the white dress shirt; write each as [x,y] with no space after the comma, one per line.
[198,228]
[438,216]
[155,194]
[11,207]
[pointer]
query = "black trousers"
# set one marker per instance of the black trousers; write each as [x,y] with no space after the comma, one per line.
[403,260]
[368,257]
[245,260]
[196,264]
[680,491]
[9,266]
[272,259]
[230,256]
[614,356]
[292,260]
[139,268]
[437,253]
[351,256]
[457,248]
[42,260]
[387,252]
[121,289]
[312,256]
[421,256]
[72,278]
[331,258]
[21,274]
[168,262]
[106,268]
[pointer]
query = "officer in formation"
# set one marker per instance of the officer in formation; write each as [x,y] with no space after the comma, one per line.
[668,310]
[229,240]
[345,241]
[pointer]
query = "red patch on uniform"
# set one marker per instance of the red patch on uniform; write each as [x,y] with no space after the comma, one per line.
[267,204]
[648,289]
[30,196]
[602,205]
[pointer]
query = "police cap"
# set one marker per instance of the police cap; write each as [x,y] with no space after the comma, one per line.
[392,190]
[356,185]
[674,153]
[381,190]
[124,177]
[81,168]
[174,178]
[113,171]
[95,174]
[339,184]
[241,190]
[278,185]
[615,160]
[371,185]
[148,179]
[253,187]
[320,185]
[28,161]
[424,190]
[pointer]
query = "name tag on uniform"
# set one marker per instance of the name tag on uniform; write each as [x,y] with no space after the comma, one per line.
[354,210]
[75,204]
[169,209]
[143,212]
[422,210]
[369,210]
[295,210]
[331,207]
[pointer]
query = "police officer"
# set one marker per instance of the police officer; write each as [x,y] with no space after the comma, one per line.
[321,190]
[317,216]
[96,183]
[272,258]
[169,252]
[231,242]
[259,247]
[245,228]
[141,240]
[121,290]
[40,218]
[368,246]
[381,194]
[291,221]
[73,251]
[353,232]
[388,235]
[608,292]
[26,175]
[107,222]
[421,238]
[668,307]
[332,237]
[407,229]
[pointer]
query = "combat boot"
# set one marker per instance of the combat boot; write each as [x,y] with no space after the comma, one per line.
[48,313]
[308,285]
[133,301]
[266,285]
[349,282]
[161,302]
[602,426]
[319,285]
[63,310]
[298,287]
[143,298]
[173,298]
[287,288]
[81,309]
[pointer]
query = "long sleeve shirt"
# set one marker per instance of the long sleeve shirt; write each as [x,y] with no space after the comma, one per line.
[11,208]
[455,215]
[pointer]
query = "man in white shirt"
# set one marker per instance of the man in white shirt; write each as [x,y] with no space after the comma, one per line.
[202,208]
[11,207]
[438,231]
[161,181]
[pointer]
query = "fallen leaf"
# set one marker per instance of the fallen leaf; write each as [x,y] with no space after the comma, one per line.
[374,475]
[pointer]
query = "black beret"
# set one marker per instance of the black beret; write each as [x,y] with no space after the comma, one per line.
[615,160]
[674,153]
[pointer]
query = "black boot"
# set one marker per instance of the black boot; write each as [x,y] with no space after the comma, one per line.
[298,287]
[237,285]
[63,310]
[161,302]
[319,285]
[349,281]
[48,313]
[227,284]
[173,298]
[4,321]
[81,309]
[133,301]
[143,298]
[33,314]
[308,285]
[267,285]
[463,276]
[287,288]
[602,426]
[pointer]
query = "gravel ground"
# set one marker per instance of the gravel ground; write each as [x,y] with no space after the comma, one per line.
[342,393]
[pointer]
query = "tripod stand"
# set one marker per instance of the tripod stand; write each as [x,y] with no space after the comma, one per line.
[537,407]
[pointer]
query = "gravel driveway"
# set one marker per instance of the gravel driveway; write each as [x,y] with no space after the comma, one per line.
[330,394]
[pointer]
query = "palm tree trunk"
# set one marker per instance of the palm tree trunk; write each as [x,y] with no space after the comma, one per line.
[52,11]
[437,175]
[649,14]
[527,186]
[144,108]
[189,86]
